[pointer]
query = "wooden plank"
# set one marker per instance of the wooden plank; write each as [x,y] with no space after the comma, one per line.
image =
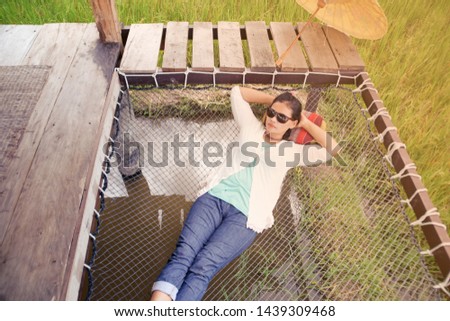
[283,34]
[81,241]
[20,89]
[175,48]
[55,46]
[15,41]
[231,54]
[142,48]
[203,47]
[344,50]
[319,53]
[33,267]
[261,56]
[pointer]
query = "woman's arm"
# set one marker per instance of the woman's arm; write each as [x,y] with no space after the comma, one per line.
[255,96]
[320,135]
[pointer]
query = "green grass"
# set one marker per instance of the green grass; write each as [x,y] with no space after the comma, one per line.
[409,66]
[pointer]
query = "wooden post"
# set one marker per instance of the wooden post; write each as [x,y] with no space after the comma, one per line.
[107,21]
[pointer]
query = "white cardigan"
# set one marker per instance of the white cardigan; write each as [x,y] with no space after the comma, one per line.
[272,163]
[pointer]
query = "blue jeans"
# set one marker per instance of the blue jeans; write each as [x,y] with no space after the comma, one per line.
[213,234]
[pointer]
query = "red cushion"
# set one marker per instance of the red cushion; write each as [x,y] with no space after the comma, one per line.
[301,136]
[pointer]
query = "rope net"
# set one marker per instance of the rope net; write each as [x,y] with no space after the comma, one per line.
[340,233]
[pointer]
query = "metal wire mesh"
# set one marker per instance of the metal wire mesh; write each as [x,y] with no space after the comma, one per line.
[340,231]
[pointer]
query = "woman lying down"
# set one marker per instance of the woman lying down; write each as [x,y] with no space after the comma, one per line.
[238,201]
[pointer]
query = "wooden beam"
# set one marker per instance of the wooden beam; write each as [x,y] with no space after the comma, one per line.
[107,21]
[421,203]
[230,78]
[80,241]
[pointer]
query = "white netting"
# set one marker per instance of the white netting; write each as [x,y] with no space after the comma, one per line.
[341,232]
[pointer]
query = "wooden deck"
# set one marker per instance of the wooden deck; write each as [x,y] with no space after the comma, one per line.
[223,53]
[46,181]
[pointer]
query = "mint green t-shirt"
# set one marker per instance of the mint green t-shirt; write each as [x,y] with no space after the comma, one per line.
[235,189]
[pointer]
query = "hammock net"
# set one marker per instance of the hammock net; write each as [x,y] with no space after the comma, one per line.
[340,232]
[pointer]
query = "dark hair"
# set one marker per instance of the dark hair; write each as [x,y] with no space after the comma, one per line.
[294,104]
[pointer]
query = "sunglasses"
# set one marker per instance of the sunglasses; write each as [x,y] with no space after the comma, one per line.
[281,118]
